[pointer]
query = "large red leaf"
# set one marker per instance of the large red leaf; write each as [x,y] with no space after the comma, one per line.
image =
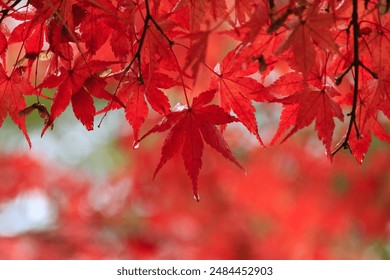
[237,92]
[306,106]
[72,85]
[189,127]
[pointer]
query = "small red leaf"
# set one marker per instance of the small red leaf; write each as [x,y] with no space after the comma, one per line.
[133,94]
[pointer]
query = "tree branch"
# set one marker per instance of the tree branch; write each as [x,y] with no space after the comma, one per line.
[355,65]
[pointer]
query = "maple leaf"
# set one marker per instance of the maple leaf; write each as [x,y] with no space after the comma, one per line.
[135,91]
[313,29]
[59,39]
[189,127]
[243,9]
[378,47]
[32,35]
[52,20]
[197,51]
[256,23]
[306,106]
[74,84]
[94,21]
[199,11]
[60,8]
[122,35]
[12,89]
[257,56]
[237,91]
[372,97]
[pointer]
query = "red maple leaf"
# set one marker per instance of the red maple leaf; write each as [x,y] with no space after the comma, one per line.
[189,127]
[77,84]
[94,21]
[36,27]
[306,106]
[252,28]
[32,34]
[60,8]
[309,28]
[237,91]
[12,89]
[372,97]
[197,51]
[157,50]
[194,13]
[135,91]
[244,9]
[122,35]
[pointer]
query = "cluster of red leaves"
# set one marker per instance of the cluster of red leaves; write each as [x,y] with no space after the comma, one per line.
[291,205]
[337,55]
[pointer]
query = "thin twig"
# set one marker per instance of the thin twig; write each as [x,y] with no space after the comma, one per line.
[136,56]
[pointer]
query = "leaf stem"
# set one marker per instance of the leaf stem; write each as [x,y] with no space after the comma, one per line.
[339,79]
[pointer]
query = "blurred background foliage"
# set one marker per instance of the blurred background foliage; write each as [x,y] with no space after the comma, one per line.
[89,195]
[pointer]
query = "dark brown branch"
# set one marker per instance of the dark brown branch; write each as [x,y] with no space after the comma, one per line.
[136,56]
[5,12]
[355,65]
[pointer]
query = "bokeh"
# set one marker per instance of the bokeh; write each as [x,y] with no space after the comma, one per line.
[90,195]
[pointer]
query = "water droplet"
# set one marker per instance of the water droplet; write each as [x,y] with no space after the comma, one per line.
[217,69]
[136,145]
[197,197]
[179,107]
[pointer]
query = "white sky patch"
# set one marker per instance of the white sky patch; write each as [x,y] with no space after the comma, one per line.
[31,211]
